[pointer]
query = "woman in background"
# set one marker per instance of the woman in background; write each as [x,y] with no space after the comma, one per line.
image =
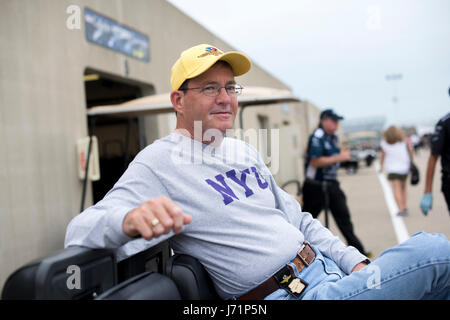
[396,157]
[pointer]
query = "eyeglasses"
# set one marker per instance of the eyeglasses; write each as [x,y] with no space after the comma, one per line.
[212,90]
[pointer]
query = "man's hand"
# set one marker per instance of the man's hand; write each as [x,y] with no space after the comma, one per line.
[359,266]
[326,161]
[141,221]
[345,155]
[426,203]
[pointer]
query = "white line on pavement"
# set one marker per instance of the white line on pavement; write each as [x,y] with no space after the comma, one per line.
[399,225]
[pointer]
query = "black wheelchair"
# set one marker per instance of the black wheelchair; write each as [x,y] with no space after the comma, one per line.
[78,273]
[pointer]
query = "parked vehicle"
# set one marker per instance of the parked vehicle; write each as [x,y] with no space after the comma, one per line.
[368,156]
[351,165]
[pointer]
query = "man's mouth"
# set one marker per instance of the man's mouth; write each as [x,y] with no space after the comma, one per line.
[221,112]
[224,115]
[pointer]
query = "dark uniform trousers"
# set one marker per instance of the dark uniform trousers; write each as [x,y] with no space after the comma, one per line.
[314,202]
[445,188]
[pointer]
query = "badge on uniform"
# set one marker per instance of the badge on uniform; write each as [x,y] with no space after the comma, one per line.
[289,282]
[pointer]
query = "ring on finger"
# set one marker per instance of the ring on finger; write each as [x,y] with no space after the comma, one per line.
[155,222]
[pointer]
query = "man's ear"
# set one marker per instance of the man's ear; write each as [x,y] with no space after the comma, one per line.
[177,99]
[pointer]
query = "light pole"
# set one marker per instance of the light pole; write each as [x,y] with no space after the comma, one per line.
[395,77]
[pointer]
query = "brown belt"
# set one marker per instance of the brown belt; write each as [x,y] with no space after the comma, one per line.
[304,258]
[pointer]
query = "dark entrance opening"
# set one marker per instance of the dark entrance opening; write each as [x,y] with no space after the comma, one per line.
[119,138]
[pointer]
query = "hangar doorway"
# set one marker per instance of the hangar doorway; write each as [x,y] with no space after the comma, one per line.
[119,138]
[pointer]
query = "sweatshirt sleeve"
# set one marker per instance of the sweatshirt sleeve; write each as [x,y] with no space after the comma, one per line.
[100,226]
[346,257]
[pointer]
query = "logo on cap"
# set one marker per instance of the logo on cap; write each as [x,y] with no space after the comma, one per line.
[211,51]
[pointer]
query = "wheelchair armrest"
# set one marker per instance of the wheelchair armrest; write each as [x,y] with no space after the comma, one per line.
[145,286]
[191,278]
[69,274]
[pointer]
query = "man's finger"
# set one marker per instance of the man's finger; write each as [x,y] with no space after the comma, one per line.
[156,210]
[141,225]
[176,213]
[187,218]
[158,230]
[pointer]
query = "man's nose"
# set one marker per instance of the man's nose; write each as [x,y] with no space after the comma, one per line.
[223,96]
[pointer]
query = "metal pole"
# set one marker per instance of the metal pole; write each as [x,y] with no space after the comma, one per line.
[86,174]
[127,144]
[395,77]
[327,201]
[241,120]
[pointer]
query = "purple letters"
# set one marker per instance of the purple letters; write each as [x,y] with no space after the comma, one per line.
[227,193]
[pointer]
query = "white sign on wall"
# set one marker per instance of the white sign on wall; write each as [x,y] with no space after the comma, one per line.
[82,153]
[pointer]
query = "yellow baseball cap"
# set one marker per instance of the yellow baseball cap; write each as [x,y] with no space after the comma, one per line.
[196,60]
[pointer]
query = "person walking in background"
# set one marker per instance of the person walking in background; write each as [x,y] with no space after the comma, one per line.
[396,157]
[440,146]
[322,163]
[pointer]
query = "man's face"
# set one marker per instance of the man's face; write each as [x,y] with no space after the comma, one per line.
[214,112]
[330,125]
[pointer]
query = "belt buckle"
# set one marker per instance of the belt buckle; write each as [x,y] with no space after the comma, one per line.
[288,281]
[300,256]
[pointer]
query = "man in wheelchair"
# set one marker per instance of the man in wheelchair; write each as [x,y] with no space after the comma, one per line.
[216,200]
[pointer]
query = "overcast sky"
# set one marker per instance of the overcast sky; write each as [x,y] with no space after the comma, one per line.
[338,53]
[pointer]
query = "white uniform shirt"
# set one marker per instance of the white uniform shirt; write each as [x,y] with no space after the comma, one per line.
[396,159]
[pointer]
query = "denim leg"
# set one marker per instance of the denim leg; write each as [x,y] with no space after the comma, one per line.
[418,268]
[322,270]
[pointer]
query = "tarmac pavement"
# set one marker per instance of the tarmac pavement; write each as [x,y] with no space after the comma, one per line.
[371,214]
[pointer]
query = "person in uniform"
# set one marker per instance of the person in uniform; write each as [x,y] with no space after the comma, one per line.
[440,147]
[321,170]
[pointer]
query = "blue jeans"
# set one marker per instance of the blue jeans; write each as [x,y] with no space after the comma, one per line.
[418,268]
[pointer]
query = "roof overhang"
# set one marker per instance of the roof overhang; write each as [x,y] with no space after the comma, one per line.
[157,104]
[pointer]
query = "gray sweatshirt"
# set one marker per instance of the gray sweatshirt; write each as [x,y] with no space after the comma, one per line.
[244,227]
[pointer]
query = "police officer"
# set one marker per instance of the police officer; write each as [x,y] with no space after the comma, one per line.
[440,146]
[322,164]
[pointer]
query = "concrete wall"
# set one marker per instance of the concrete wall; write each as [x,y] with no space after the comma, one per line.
[42,107]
